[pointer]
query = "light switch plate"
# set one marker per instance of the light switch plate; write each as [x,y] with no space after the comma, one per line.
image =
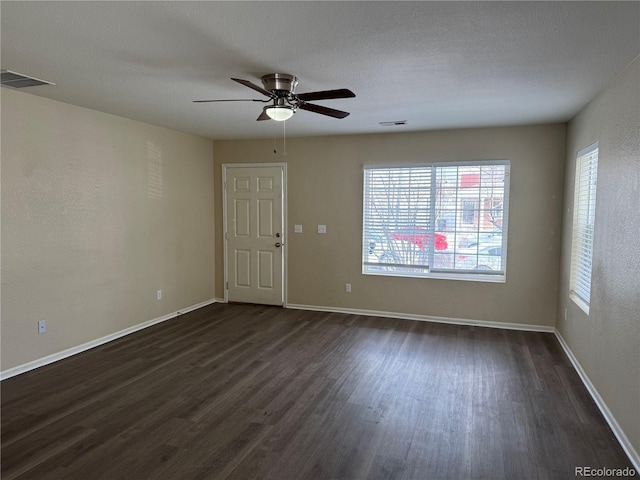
[297,229]
[322,229]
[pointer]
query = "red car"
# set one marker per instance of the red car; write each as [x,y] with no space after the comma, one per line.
[420,238]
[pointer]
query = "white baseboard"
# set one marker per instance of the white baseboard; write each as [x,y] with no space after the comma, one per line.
[11,372]
[615,427]
[602,406]
[427,318]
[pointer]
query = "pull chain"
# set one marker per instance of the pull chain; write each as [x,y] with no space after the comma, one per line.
[284,138]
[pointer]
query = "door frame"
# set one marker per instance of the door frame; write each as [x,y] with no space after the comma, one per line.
[225,226]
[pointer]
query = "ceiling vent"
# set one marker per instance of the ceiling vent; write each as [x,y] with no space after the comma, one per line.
[18,80]
[394,123]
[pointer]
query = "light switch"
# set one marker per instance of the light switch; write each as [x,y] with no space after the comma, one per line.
[322,229]
[297,229]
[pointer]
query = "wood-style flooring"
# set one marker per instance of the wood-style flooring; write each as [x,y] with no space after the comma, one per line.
[255,392]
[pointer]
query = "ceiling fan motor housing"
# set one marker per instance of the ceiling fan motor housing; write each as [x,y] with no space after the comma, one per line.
[281,84]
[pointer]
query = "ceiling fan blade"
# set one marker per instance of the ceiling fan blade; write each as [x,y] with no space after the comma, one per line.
[231,100]
[263,116]
[331,112]
[247,83]
[326,94]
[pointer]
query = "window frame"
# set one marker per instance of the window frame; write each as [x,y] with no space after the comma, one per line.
[427,271]
[586,176]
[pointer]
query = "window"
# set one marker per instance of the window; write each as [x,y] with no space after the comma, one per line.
[468,212]
[584,209]
[440,220]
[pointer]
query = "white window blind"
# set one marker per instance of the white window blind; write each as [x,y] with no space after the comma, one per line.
[584,209]
[436,220]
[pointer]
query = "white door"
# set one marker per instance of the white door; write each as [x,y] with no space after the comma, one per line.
[254,234]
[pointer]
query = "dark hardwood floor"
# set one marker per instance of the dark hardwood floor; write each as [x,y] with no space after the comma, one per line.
[254,392]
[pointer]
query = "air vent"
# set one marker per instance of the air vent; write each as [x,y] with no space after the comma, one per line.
[18,80]
[393,124]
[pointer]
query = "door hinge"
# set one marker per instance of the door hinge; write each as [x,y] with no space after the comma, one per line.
[227,285]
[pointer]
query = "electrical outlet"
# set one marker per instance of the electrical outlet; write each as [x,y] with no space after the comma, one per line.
[347,287]
[159,295]
[42,326]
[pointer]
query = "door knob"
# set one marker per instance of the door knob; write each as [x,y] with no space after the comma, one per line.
[277,244]
[277,235]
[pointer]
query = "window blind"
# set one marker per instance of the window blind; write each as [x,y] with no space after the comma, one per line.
[429,219]
[584,208]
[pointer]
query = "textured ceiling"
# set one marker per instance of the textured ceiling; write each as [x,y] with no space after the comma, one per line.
[435,64]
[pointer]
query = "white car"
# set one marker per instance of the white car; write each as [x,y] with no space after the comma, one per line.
[492,236]
[480,257]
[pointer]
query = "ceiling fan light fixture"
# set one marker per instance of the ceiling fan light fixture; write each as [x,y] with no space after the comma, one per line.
[279,113]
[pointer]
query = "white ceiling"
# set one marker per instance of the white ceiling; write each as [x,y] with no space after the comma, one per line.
[435,64]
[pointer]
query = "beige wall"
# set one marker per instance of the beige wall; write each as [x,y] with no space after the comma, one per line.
[98,213]
[325,187]
[607,341]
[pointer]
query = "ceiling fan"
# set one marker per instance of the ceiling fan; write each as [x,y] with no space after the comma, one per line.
[280,88]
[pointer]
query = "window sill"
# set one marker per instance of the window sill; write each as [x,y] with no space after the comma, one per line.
[584,306]
[444,276]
